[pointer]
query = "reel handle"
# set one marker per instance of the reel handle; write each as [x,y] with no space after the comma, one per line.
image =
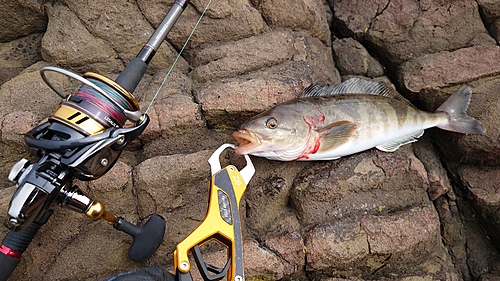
[146,238]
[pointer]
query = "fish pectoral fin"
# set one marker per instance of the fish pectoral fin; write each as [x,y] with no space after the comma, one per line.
[335,134]
[395,144]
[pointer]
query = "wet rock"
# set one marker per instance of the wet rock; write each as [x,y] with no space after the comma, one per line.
[405,29]
[372,182]
[19,54]
[19,20]
[67,43]
[351,58]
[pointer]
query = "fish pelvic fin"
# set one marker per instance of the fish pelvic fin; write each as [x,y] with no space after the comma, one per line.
[355,86]
[335,134]
[456,107]
[395,144]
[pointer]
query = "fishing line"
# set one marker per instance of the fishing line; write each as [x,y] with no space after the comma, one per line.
[178,57]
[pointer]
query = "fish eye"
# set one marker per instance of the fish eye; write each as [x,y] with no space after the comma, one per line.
[272,123]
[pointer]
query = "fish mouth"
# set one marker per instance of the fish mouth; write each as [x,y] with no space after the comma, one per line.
[246,141]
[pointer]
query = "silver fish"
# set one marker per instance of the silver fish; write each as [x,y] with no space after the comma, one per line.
[327,123]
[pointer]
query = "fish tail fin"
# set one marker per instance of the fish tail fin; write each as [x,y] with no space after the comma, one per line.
[456,107]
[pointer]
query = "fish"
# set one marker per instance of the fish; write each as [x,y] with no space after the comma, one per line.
[329,122]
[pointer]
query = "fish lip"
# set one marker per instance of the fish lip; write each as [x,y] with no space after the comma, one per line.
[246,140]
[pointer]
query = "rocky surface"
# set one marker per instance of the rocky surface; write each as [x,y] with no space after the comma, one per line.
[428,211]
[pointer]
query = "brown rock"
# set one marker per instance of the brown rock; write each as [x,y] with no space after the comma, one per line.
[28,92]
[290,247]
[406,29]
[392,234]
[336,246]
[224,21]
[122,25]
[260,263]
[227,104]
[15,124]
[351,58]
[481,184]
[372,182]
[18,20]
[304,15]
[19,54]
[68,43]
[243,56]
[431,72]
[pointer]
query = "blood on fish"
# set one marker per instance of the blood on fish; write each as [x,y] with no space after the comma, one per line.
[315,120]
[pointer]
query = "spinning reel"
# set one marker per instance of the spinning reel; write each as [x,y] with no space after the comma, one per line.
[83,138]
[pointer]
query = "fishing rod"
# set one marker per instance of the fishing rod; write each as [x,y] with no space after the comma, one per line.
[83,138]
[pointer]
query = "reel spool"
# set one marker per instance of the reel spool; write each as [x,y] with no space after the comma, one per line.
[87,127]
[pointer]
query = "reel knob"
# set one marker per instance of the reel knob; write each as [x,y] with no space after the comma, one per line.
[146,238]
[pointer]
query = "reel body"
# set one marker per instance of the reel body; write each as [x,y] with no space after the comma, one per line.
[83,138]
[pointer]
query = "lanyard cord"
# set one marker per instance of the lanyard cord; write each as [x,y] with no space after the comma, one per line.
[177,58]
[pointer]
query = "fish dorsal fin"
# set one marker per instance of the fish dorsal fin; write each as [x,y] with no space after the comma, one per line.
[335,134]
[355,86]
[395,144]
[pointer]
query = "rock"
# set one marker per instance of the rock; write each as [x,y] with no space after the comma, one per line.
[481,184]
[405,29]
[304,15]
[15,124]
[439,184]
[490,10]
[336,245]
[173,111]
[431,79]
[351,58]
[225,21]
[69,44]
[29,93]
[174,186]
[290,247]
[19,20]
[111,22]
[18,54]
[228,103]
[244,56]
[445,69]
[375,245]
[372,182]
